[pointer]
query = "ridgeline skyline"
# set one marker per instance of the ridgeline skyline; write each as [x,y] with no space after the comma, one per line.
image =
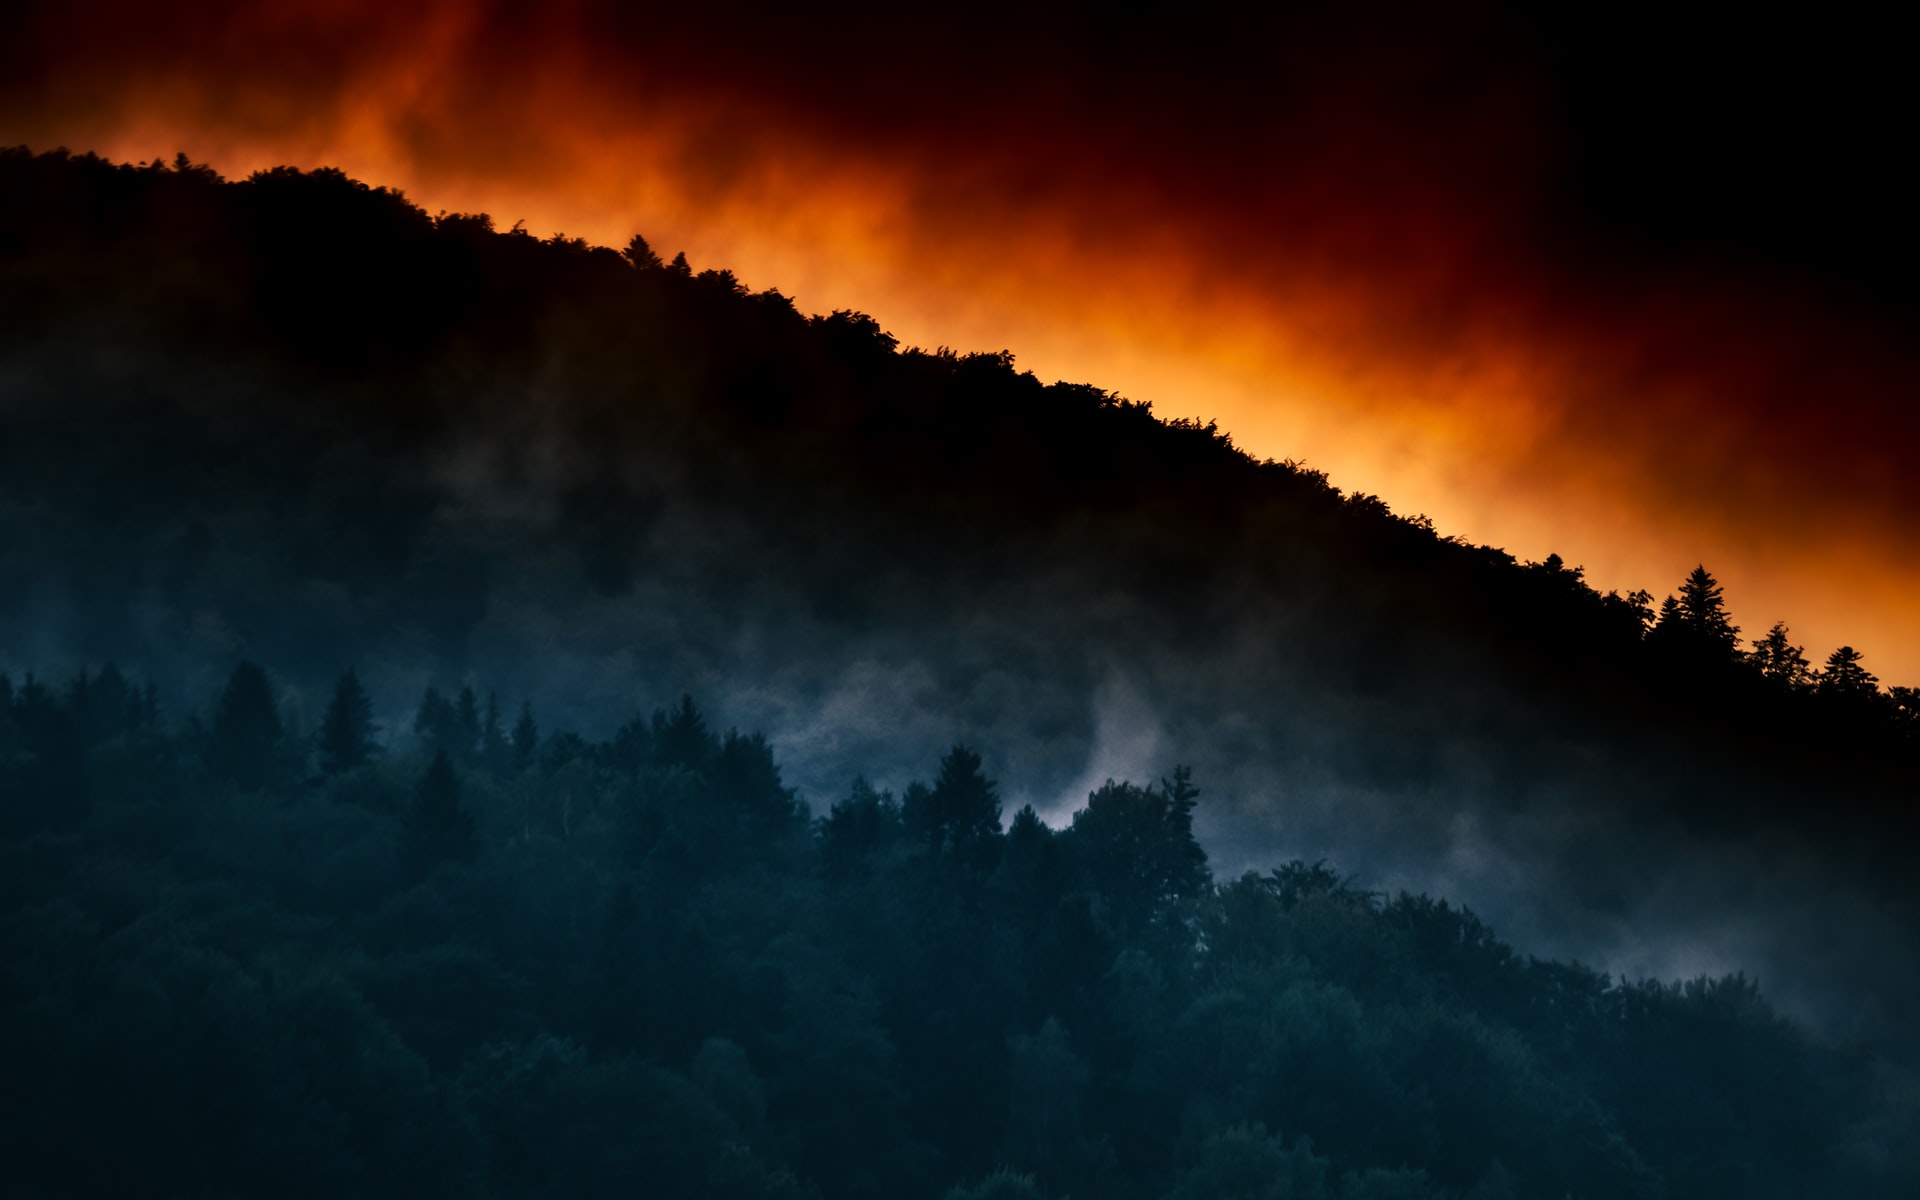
[1562,288]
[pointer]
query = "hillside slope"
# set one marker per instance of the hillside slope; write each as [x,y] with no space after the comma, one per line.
[297,419]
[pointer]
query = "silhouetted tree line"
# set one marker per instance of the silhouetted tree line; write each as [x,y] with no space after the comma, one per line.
[1694,638]
[452,959]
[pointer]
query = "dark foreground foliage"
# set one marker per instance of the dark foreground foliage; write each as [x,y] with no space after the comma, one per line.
[490,963]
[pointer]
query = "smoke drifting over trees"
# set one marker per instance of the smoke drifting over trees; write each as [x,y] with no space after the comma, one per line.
[637,963]
[297,423]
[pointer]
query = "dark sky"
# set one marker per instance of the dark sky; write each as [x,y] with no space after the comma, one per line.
[1619,282]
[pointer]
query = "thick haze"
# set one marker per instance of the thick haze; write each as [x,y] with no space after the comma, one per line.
[1620,287]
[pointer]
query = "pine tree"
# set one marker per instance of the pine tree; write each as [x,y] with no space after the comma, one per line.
[495,751]
[47,783]
[680,738]
[916,814]
[526,738]
[80,707]
[434,720]
[962,811]
[438,828]
[1666,626]
[1703,612]
[641,255]
[1640,603]
[346,733]
[745,781]
[1188,872]
[100,705]
[1779,659]
[450,725]
[856,829]
[246,729]
[1844,676]
[466,725]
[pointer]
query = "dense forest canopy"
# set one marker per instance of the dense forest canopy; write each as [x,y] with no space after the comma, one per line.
[523,487]
[467,959]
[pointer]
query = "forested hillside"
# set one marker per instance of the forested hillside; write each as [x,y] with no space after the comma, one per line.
[297,421]
[491,961]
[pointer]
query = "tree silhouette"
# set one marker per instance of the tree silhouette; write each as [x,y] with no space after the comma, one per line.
[526,738]
[435,719]
[1905,702]
[641,255]
[961,811]
[450,725]
[680,738]
[1703,612]
[47,781]
[1136,847]
[1669,618]
[1844,676]
[747,781]
[246,729]
[1780,660]
[496,752]
[438,828]
[103,706]
[857,829]
[1029,860]
[346,733]
[467,723]
[1181,797]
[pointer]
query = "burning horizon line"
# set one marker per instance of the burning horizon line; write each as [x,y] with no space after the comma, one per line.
[1457,426]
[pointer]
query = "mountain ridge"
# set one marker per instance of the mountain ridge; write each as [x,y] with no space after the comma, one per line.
[297,418]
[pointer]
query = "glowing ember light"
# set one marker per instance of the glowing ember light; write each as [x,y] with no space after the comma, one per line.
[1394,318]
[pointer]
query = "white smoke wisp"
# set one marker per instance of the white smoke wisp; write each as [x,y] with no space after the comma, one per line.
[1128,743]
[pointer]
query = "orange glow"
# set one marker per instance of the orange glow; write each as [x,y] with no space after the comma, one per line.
[1408,346]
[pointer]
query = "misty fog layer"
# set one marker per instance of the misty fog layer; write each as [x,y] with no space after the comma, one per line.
[296,420]
[489,960]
